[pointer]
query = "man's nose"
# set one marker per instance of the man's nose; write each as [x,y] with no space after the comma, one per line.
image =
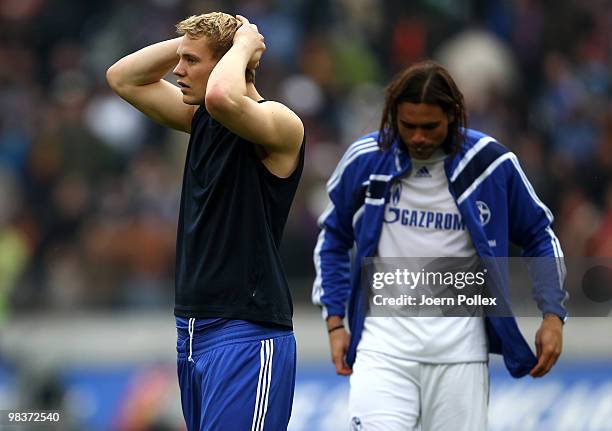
[418,136]
[178,69]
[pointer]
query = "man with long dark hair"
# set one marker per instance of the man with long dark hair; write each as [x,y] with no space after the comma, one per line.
[460,194]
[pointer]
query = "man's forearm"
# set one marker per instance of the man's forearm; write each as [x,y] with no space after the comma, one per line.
[334,322]
[227,80]
[146,66]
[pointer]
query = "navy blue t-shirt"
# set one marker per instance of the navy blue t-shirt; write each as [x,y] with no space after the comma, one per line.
[232,215]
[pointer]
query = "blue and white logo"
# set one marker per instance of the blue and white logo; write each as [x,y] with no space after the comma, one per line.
[423,219]
[484,212]
[422,173]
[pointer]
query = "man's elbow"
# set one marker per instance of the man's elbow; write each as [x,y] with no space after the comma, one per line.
[218,100]
[114,78]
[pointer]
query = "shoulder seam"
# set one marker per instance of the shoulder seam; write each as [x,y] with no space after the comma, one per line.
[356,151]
[473,153]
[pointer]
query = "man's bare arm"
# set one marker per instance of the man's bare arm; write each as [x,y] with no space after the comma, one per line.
[138,79]
[272,125]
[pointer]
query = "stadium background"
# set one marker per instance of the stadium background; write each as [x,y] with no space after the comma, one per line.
[89,188]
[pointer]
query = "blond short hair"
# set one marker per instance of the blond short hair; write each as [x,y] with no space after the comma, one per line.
[218,27]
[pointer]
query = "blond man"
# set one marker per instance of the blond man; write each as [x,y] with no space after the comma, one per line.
[236,349]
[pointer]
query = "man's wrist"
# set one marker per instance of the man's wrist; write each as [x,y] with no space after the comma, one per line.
[334,322]
[553,317]
[334,328]
[243,48]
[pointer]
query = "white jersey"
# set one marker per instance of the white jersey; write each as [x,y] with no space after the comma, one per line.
[422,220]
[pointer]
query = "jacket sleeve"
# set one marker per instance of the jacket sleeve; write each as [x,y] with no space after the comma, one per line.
[332,254]
[531,228]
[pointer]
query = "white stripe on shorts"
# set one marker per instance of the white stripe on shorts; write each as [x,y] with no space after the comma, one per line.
[266,352]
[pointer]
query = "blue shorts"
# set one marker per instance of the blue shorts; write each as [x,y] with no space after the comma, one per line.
[235,375]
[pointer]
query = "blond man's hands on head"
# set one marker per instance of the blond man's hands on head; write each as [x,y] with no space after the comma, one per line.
[276,130]
[249,36]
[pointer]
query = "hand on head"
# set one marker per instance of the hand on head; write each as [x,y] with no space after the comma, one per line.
[249,36]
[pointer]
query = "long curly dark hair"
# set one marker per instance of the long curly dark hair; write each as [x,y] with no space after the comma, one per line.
[430,83]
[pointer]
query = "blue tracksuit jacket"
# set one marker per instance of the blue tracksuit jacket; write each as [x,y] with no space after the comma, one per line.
[482,170]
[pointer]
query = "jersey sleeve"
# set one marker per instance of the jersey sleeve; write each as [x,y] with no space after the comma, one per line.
[332,254]
[531,228]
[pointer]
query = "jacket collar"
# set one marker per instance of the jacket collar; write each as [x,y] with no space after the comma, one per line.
[401,158]
[402,161]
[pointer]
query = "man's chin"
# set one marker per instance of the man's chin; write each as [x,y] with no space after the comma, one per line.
[190,100]
[421,154]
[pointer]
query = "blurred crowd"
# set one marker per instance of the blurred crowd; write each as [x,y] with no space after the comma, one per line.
[89,187]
